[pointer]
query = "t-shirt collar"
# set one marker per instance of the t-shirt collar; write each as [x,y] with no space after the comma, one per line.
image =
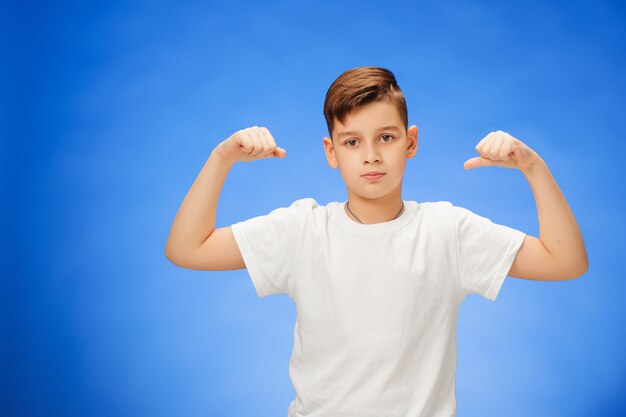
[340,215]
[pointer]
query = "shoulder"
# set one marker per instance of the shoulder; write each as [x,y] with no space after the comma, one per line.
[299,210]
[307,203]
[437,209]
[434,205]
[444,207]
[300,205]
[446,213]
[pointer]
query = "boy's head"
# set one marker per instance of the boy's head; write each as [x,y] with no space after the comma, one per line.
[360,86]
[367,120]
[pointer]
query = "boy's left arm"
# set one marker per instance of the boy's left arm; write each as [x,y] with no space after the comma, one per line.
[559,253]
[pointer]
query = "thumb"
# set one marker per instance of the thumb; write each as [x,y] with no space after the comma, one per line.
[477,162]
[279,152]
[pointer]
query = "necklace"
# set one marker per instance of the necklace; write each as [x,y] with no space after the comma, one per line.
[348,207]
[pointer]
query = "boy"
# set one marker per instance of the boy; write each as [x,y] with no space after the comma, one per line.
[377,280]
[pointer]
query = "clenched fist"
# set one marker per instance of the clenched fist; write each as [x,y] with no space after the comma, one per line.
[502,150]
[249,145]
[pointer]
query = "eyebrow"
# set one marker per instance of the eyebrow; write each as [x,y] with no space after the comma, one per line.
[354,132]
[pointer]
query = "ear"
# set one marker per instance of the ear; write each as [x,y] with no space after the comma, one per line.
[411,138]
[329,149]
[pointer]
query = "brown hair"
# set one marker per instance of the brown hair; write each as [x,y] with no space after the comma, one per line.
[359,86]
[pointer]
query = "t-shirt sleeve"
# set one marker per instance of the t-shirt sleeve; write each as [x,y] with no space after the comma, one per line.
[269,244]
[485,252]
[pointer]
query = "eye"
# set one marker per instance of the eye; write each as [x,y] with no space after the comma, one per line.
[389,136]
[348,141]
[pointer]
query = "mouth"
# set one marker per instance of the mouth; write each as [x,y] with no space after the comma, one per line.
[371,176]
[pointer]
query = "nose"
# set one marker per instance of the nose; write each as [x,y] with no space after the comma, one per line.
[371,153]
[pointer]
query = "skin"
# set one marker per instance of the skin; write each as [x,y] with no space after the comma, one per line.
[557,254]
[371,149]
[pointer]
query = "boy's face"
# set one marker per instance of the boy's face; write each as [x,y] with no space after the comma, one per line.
[372,138]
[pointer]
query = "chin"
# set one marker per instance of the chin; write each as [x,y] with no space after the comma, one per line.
[372,194]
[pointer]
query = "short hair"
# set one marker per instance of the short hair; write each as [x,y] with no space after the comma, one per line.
[359,86]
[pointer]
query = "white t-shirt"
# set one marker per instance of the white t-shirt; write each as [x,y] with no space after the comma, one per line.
[376,304]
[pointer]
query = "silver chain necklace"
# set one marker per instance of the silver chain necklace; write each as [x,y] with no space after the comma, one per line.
[348,207]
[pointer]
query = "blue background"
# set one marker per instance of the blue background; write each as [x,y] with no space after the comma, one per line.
[111,109]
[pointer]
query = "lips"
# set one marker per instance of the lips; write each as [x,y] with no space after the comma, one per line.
[371,176]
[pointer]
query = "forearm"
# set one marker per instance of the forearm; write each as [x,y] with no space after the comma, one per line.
[558,231]
[195,219]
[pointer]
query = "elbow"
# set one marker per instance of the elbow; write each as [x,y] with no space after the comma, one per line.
[584,266]
[171,256]
[179,257]
[579,273]
[169,248]
[168,256]
[584,269]
[572,267]
[577,270]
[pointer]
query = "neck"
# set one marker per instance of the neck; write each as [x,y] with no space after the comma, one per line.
[372,211]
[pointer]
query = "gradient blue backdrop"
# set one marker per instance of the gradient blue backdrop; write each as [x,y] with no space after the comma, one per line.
[110,110]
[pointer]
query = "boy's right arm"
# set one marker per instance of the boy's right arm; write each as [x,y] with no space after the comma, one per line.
[193,241]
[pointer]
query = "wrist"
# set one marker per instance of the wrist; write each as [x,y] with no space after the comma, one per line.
[220,158]
[535,165]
